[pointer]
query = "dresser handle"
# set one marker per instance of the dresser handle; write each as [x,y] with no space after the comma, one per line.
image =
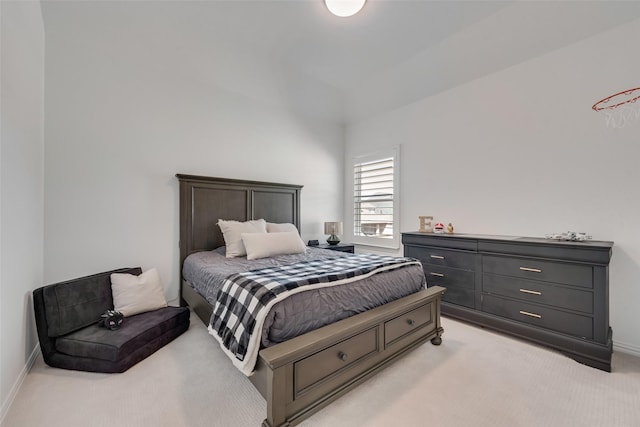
[410,322]
[437,256]
[437,274]
[342,356]
[533,270]
[526,313]
[527,291]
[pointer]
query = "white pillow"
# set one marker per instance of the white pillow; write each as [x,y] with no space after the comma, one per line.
[263,245]
[232,230]
[137,294]
[272,227]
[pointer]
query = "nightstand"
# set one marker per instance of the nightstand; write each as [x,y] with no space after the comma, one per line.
[342,247]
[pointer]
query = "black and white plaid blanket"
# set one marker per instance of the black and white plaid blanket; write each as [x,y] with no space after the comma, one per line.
[245,298]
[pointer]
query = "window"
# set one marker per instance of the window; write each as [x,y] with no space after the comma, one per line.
[375,199]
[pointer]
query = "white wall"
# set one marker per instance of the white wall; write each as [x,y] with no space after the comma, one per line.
[516,32]
[520,152]
[21,189]
[144,94]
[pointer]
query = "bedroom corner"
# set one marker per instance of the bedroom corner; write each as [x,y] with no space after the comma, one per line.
[22,189]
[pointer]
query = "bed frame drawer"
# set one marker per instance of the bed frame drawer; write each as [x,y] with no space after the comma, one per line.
[335,359]
[406,324]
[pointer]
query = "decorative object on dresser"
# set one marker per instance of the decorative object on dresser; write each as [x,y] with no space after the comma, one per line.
[554,293]
[342,247]
[426,224]
[569,235]
[334,229]
[301,375]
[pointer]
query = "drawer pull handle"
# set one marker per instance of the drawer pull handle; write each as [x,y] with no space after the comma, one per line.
[527,291]
[437,256]
[437,274]
[410,322]
[526,313]
[533,270]
[342,356]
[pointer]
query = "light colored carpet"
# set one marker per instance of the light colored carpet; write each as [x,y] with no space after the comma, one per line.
[475,378]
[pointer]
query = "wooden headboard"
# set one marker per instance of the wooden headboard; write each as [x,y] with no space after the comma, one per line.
[205,200]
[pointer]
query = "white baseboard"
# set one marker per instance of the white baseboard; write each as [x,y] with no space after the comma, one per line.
[626,348]
[16,386]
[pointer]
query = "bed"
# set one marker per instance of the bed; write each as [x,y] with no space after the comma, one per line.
[301,375]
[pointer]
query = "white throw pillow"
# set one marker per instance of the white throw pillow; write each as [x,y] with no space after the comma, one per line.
[263,245]
[137,294]
[232,231]
[273,227]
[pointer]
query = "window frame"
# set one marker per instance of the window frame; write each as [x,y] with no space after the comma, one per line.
[382,242]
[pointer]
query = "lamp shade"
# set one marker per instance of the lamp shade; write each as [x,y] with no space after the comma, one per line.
[334,227]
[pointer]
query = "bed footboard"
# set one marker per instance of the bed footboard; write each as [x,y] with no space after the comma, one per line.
[302,375]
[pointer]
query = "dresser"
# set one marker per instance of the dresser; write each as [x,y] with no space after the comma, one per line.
[554,293]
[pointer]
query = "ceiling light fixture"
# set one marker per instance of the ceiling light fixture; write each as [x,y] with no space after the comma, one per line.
[344,8]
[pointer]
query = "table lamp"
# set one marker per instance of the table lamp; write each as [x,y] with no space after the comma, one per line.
[333,228]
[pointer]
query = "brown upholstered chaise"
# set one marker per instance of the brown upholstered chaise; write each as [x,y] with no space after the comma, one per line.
[67,315]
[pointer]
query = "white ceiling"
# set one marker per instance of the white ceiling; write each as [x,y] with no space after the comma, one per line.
[403,50]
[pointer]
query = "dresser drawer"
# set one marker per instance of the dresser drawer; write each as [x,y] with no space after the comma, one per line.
[538,292]
[446,277]
[406,323]
[443,257]
[459,296]
[334,359]
[548,271]
[549,318]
